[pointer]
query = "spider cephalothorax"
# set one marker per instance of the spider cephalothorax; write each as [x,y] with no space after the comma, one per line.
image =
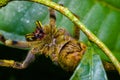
[50,41]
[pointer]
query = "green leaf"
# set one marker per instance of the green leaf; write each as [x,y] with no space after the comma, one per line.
[90,68]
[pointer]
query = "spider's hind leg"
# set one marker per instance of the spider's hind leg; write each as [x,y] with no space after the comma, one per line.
[18,65]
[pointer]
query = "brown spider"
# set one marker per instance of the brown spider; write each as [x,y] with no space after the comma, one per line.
[54,43]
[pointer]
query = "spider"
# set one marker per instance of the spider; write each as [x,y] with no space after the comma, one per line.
[55,43]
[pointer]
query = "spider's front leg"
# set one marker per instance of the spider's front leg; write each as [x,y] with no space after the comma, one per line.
[19,65]
[13,43]
[52,17]
[52,22]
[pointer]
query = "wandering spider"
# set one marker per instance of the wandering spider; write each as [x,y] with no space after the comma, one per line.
[50,41]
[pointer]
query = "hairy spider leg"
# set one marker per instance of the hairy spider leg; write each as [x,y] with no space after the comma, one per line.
[19,65]
[13,43]
[52,20]
[76,30]
[19,44]
[52,17]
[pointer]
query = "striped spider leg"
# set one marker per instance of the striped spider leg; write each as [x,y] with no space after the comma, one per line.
[18,44]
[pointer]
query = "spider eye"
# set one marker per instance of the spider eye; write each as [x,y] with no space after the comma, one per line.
[39,33]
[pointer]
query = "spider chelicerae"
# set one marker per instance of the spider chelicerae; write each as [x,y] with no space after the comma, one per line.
[55,43]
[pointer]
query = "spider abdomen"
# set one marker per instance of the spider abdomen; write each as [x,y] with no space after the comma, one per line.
[70,55]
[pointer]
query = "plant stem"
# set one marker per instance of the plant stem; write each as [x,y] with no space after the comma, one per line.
[89,34]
